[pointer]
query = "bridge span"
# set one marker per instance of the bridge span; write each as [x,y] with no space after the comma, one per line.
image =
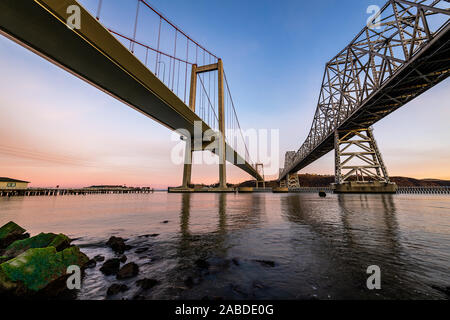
[97,55]
[404,52]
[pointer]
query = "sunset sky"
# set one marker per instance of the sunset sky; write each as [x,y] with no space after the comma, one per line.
[58,130]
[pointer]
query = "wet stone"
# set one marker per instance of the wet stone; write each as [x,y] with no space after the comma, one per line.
[266,263]
[129,270]
[141,250]
[202,264]
[91,264]
[110,267]
[116,288]
[117,244]
[99,258]
[147,284]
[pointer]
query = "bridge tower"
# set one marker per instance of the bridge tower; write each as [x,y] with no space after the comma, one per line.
[260,170]
[359,166]
[221,147]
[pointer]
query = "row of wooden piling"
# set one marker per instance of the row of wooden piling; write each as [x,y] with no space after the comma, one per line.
[63,192]
[424,190]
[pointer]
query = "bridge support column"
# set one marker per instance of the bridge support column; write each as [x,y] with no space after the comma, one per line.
[187,171]
[260,170]
[359,167]
[222,143]
[292,181]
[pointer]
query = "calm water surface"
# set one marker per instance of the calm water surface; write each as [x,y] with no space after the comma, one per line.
[320,247]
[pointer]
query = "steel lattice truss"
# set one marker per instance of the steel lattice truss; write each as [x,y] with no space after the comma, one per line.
[404,52]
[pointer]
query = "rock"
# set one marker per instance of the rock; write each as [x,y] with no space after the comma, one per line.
[189,282]
[91,264]
[11,232]
[116,288]
[149,235]
[258,285]
[267,263]
[202,264]
[42,240]
[117,244]
[140,250]
[99,258]
[38,268]
[110,266]
[123,258]
[238,290]
[445,290]
[129,270]
[147,284]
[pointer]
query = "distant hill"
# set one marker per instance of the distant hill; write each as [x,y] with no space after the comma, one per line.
[316,180]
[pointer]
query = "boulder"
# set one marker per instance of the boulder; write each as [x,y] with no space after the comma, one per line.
[110,267]
[11,232]
[99,258]
[140,250]
[267,263]
[38,268]
[91,264]
[147,284]
[129,270]
[117,244]
[202,264]
[42,240]
[116,288]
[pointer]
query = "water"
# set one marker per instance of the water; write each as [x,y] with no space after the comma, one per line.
[320,247]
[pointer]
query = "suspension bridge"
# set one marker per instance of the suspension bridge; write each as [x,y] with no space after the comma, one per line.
[156,69]
[401,54]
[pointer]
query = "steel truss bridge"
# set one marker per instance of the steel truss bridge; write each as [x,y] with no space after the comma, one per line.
[404,52]
[154,67]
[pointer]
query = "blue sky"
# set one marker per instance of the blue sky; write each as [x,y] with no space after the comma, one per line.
[274,54]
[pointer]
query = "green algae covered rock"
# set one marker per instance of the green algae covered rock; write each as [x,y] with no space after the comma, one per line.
[42,240]
[37,268]
[11,232]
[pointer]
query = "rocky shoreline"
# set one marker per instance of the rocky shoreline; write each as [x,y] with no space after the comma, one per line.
[35,266]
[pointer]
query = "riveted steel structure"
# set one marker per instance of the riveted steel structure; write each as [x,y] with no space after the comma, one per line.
[363,162]
[402,53]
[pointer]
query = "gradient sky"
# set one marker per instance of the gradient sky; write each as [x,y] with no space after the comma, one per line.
[58,130]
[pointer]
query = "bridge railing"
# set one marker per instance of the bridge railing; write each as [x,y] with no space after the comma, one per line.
[394,37]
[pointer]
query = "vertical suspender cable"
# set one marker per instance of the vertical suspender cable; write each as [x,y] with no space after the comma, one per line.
[174,56]
[99,8]
[157,52]
[135,27]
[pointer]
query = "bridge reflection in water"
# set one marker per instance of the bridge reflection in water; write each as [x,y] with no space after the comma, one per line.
[355,232]
[319,248]
[257,246]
